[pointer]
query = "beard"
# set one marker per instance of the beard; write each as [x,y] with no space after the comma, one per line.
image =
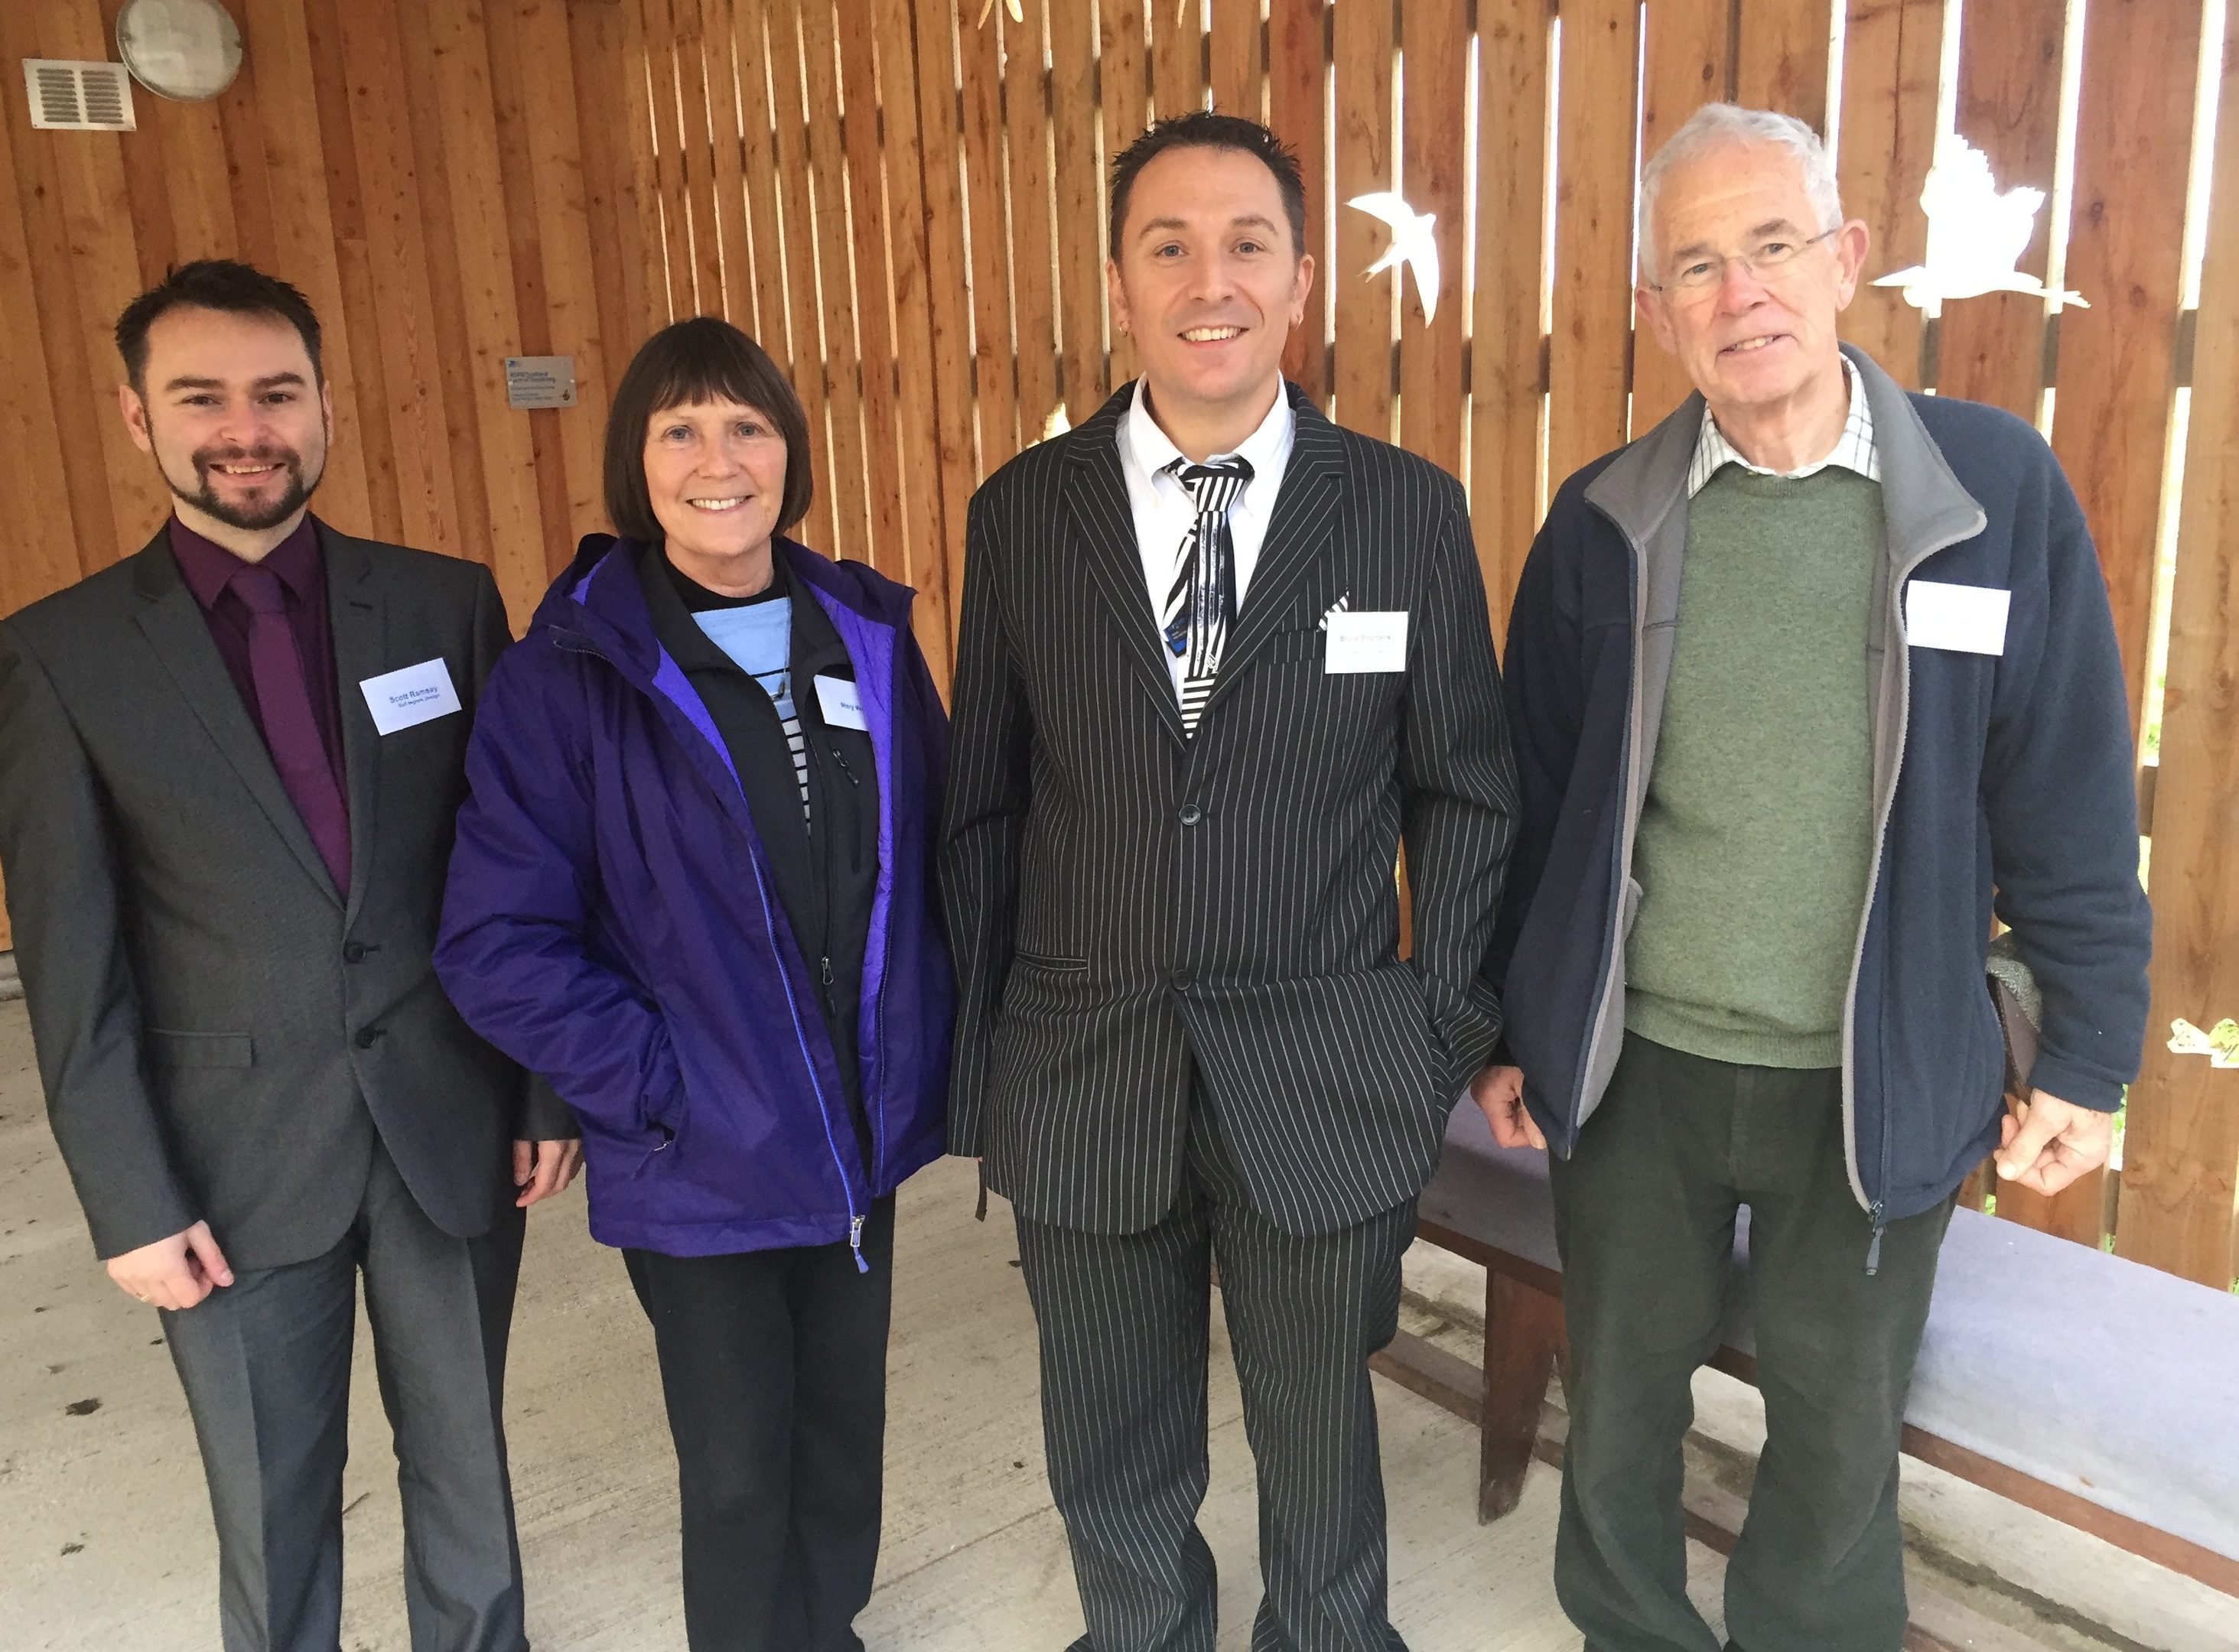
[253,518]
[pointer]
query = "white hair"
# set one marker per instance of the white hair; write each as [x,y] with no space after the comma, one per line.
[1717,124]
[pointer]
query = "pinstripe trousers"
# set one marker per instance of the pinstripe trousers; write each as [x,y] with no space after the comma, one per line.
[1124,1323]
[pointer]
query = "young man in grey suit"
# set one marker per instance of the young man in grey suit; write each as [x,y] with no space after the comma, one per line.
[1218,657]
[228,768]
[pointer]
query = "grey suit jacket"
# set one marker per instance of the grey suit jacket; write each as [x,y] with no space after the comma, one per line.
[1128,905]
[219,1030]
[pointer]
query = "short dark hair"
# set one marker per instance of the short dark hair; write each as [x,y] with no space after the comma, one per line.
[1205,128]
[705,359]
[213,283]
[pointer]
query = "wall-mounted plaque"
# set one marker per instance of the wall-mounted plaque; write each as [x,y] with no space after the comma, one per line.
[540,381]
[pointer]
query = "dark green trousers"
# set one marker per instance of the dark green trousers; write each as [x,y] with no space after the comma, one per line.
[1645,1215]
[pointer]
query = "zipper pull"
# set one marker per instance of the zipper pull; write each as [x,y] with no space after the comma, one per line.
[855,1243]
[1874,1246]
[833,747]
[824,971]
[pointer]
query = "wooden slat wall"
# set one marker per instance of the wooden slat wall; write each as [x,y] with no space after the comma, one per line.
[1990,349]
[425,186]
[905,200]
[1588,377]
[1508,400]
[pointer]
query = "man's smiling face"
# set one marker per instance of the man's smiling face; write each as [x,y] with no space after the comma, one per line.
[1749,341]
[235,416]
[1206,277]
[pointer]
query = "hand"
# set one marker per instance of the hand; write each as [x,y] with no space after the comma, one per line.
[1499,1092]
[174,1273]
[541,1169]
[2046,1143]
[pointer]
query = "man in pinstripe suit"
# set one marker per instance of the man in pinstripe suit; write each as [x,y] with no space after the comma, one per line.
[1217,656]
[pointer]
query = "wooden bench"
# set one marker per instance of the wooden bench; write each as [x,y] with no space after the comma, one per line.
[2091,1389]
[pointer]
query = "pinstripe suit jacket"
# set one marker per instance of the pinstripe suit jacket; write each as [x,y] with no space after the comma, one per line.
[1126,903]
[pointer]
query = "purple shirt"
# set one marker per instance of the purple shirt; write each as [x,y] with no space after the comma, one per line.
[206,566]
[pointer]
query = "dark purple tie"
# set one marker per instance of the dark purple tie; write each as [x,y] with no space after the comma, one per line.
[284,703]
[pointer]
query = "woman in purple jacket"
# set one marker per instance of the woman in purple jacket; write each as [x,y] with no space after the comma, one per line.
[693,890]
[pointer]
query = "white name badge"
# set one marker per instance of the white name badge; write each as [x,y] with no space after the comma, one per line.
[1968,619]
[842,705]
[406,698]
[1366,641]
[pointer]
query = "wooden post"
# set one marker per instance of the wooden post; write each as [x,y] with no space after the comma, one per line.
[2180,1160]
[1524,1342]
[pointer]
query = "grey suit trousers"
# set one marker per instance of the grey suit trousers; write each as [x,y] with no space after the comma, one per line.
[266,1365]
[1124,1322]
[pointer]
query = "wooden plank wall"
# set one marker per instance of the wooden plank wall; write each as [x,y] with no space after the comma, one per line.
[904,200]
[443,182]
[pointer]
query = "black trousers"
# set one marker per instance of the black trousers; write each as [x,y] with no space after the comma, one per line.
[1124,1322]
[774,1364]
[266,1365]
[1645,1217]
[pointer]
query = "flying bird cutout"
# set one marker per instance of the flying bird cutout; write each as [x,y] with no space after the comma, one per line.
[1412,243]
[1011,6]
[1976,235]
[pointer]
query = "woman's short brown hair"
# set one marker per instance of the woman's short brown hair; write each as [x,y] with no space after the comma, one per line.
[705,359]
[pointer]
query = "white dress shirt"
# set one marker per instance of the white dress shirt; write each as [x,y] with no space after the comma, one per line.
[1165,513]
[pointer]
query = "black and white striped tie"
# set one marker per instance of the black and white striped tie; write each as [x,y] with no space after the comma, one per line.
[1201,606]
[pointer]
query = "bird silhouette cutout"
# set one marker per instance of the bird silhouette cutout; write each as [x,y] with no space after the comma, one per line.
[2219,1043]
[1011,6]
[1976,235]
[1412,243]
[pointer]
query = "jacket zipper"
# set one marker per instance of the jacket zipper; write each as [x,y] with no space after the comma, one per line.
[1612,957]
[800,1042]
[1896,655]
[785,979]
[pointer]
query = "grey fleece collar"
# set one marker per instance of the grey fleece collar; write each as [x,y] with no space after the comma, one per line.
[1922,503]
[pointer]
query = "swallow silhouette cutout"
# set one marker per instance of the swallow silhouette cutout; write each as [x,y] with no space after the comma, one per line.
[1412,243]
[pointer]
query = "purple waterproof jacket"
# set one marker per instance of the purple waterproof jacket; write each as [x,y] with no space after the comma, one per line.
[611,924]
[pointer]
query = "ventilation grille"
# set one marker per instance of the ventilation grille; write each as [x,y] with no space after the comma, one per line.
[78,97]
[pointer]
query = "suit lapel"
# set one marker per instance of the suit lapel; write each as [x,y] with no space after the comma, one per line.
[358,618]
[1306,513]
[1097,496]
[179,633]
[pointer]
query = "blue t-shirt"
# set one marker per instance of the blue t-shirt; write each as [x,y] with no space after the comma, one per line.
[758,637]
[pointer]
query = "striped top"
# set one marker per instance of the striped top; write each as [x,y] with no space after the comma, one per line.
[758,637]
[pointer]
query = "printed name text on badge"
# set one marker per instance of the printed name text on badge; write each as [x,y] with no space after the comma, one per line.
[841,704]
[1366,641]
[407,698]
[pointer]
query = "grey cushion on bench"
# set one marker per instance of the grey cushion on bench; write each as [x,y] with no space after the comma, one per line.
[2115,1381]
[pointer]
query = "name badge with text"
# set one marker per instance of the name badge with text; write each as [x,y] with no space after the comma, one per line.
[1366,641]
[1968,619]
[406,698]
[843,706]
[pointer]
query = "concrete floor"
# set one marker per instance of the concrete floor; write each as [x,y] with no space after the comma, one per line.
[103,1519]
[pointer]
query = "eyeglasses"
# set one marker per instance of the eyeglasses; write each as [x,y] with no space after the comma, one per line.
[1766,261]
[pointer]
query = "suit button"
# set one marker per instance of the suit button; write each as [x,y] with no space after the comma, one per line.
[1183,980]
[368,1037]
[353,951]
[1191,814]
